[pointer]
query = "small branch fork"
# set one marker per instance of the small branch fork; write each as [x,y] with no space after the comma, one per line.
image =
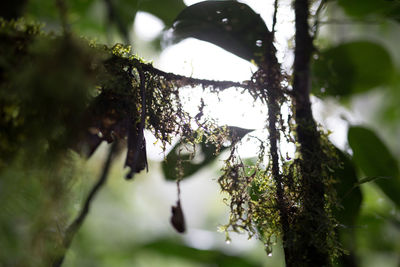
[77,223]
[317,22]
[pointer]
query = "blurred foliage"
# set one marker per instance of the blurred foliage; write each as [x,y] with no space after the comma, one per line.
[367,148]
[211,257]
[45,86]
[46,81]
[383,9]
[346,69]
[36,202]
[95,18]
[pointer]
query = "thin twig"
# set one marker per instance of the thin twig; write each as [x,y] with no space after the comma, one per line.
[317,21]
[77,223]
[274,17]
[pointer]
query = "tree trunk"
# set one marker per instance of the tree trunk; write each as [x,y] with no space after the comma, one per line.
[308,235]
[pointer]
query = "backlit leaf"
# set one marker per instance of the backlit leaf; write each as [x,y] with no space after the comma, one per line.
[375,159]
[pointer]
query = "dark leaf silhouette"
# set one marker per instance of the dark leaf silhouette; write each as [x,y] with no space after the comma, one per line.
[225,24]
[206,151]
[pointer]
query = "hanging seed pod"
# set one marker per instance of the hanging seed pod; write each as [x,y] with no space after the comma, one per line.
[177,218]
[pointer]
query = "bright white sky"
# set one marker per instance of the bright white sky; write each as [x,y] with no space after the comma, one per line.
[199,59]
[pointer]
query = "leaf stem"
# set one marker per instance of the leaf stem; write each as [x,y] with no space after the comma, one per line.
[77,223]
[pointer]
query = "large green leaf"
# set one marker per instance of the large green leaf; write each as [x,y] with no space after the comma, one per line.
[209,257]
[205,151]
[350,198]
[349,195]
[231,25]
[379,8]
[350,68]
[374,159]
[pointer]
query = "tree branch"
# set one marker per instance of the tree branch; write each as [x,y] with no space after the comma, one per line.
[274,17]
[188,81]
[77,223]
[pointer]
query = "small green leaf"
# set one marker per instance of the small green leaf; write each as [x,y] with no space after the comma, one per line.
[205,154]
[350,68]
[230,25]
[375,160]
